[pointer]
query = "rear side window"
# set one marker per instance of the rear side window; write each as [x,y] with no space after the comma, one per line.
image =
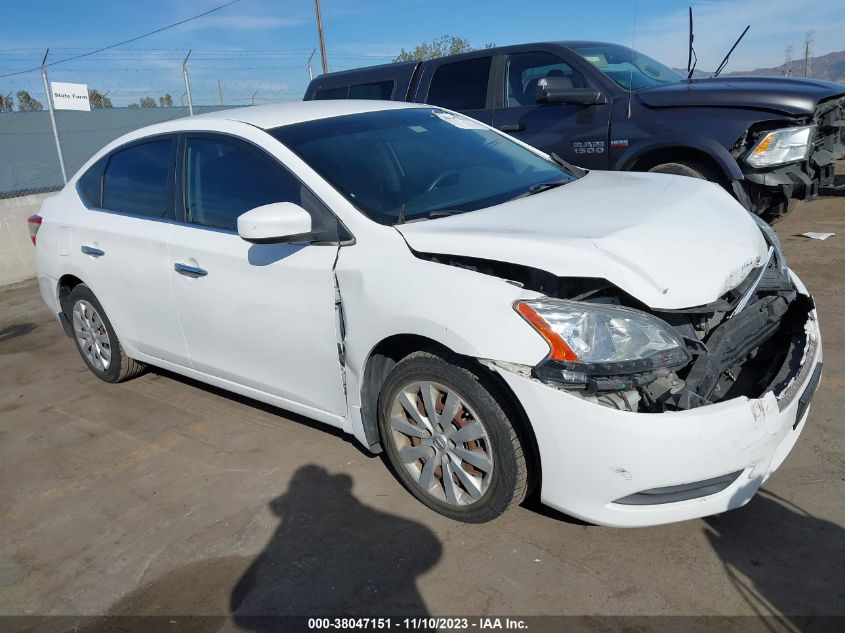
[382,90]
[225,179]
[461,85]
[332,93]
[137,180]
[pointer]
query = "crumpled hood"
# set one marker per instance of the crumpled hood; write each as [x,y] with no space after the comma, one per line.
[670,241]
[788,95]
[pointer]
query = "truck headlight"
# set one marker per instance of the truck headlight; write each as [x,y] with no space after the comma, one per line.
[589,341]
[781,146]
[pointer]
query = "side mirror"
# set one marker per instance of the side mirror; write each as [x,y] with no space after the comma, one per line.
[274,223]
[560,90]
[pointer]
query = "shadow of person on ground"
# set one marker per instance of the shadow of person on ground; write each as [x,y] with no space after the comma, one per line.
[783,561]
[331,555]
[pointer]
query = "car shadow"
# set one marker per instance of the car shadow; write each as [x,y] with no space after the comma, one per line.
[329,555]
[262,406]
[783,561]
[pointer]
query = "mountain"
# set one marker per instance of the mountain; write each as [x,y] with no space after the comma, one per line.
[830,67]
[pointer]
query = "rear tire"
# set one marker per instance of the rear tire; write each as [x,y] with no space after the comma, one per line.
[96,339]
[470,467]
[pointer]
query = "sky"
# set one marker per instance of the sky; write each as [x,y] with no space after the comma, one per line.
[258,49]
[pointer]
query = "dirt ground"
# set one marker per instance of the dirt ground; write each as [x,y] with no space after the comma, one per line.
[164,496]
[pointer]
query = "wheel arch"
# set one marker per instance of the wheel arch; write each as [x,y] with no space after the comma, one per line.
[64,287]
[389,351]
[706,151]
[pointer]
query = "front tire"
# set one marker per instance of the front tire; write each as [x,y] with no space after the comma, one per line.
[96,339]
[451,437]
[689,169]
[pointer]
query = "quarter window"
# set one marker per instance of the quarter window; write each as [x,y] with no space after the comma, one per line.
[225,179]
[525,70]
[461,85]
[137,180]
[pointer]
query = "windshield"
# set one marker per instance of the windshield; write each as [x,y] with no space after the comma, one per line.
[415,163]
[628,68]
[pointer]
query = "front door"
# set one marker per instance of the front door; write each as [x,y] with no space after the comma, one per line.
[577,133]
[262,316]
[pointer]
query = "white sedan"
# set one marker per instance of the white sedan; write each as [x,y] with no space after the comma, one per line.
[492,318]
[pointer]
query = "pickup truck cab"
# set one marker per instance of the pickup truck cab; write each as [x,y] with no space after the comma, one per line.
[767,140]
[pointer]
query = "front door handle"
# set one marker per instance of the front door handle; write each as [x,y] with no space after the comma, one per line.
[512,127]
[93,252]
[189,271]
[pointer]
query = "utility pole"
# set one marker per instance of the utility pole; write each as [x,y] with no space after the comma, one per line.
[52,115]
[220,90]
[187,83]
[310,57]
[808,53]
[787,62]
[320,36]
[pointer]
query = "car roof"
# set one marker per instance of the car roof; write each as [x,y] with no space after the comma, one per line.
[275,115]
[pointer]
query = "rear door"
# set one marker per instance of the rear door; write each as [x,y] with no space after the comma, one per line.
[120,244]
[258,315]
[463,85]
[577,133]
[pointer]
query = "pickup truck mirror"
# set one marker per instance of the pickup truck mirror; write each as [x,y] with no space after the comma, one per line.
[274,223]
[560,90]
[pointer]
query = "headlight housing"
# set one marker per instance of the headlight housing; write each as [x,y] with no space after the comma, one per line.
[779,147]
[596,345]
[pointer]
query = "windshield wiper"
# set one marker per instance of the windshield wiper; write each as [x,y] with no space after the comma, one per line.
[578,172]
[432,215]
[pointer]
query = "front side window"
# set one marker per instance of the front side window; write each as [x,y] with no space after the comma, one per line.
[224,179]
[461,85]
[137,180]
[525,70]
[630,69]
[416,163]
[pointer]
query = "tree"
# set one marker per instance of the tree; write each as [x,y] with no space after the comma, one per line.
[133,105]
[7,104]
[27,103]
[439,47]
[98,99]
[165,101]
[147,102]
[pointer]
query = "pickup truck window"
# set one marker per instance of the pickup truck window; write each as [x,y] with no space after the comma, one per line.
[332,93]
[418,163]
[525,70]
[381,90]
[461,85]
[630,69]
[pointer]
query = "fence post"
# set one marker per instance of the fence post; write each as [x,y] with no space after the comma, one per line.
[188,83]
[52,116]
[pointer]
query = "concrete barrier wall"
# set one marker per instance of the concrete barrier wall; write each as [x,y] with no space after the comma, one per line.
[17,255]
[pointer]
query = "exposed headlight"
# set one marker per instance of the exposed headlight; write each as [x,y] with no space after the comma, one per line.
[589,340]
[781,146]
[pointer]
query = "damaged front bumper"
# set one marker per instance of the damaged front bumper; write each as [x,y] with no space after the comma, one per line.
[620,468]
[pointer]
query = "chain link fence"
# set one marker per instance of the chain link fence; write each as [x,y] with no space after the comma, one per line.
[30,162]
[145,86]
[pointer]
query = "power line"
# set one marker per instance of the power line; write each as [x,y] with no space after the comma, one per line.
[134,39]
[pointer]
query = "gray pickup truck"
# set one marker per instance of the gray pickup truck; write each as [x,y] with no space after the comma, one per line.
[767,140]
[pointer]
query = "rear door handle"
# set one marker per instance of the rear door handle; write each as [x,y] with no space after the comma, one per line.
[512,127]
[93,252]
[189,271]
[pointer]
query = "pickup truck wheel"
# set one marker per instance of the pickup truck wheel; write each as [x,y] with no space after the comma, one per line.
[96,340]
[450,439]
[691,169]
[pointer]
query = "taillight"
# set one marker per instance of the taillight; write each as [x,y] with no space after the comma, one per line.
[34,223]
